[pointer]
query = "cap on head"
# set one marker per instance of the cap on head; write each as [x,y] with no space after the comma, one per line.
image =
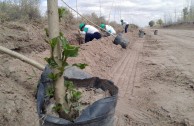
[122,19]
[81,25]
[102,26]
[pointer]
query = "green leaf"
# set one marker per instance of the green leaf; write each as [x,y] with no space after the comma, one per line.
[50,91]
[69,85]
[57,107]
[80,65]
[51,62]
[63,40]
[66,98]
[70,50]
[66,111]
[53,76]
[76,95]
[61,34]
[61,12]
[65,64]
[53,42]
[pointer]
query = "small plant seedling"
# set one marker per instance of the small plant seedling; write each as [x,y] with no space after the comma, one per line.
[50,91]
[72,96]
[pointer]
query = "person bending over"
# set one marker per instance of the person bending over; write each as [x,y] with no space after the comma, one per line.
[109,29]
[90,32]
[125,24]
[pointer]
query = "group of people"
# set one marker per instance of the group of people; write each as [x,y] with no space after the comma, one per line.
[91,32]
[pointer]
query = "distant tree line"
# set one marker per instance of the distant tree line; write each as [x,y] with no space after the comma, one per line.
[188,14]
[159,22]
[14,10]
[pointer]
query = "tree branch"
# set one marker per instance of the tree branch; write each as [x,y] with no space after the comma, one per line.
[22,58]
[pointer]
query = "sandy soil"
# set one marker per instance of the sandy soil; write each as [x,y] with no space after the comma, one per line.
[182,26]
[156,82]
[154,76]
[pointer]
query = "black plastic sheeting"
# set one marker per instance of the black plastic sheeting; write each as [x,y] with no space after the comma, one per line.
[100,113]
[141,33]
[155,32]
[119,40]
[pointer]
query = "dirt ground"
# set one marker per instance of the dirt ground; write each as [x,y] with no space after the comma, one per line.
[183,26]
[155,81]
[154,76]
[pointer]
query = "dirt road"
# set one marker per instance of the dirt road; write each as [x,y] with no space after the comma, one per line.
[155,80]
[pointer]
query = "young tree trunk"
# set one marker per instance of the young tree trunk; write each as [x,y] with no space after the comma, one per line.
[53,21]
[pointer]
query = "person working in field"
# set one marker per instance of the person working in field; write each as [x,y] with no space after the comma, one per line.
[125,24]
[109,29]
[90,32]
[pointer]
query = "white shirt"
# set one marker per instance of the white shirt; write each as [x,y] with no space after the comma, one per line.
[125,23]
[110,29]
[89,29]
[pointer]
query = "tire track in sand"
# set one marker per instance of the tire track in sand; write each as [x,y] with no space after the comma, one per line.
[124,73]
[126,76]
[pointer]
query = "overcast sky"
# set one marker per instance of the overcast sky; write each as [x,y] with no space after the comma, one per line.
[139,12]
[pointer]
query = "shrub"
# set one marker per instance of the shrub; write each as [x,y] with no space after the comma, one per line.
[116,26]
[66,16]
[95,19]
[151,23]
[159,22]
[21,9]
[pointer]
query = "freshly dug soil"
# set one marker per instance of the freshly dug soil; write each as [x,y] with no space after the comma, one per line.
[88,97]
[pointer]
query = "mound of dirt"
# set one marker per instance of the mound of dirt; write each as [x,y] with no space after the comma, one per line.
[23,37]
[18,80]
[184,26]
